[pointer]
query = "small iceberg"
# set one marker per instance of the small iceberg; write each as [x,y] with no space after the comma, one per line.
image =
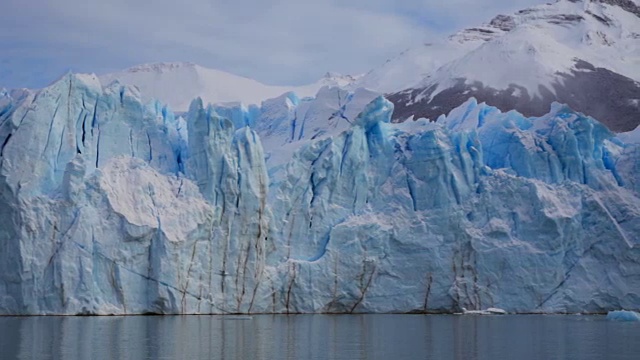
[489,311]
[496,311]
[623,315]
[475,312]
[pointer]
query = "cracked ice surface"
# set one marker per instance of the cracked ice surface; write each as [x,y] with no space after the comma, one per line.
[113,206]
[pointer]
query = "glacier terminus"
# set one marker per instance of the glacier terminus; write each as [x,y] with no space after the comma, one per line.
[110,204]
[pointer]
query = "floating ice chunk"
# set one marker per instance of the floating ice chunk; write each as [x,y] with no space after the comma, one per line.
[489,311]
[623,315]
[475,312]
[496,311]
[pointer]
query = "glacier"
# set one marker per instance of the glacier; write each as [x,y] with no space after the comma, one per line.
[113,205]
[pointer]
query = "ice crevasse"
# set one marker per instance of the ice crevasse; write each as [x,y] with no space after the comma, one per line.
[109,205]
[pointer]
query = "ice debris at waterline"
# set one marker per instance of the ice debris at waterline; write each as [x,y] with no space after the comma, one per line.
[489,311]
[623,315]
[110,206]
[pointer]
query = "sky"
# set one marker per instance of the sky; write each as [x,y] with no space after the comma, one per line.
[276,42]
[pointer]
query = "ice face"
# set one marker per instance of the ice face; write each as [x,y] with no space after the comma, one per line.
[424,207]
[113,206]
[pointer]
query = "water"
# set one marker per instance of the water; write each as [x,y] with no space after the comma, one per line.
[393,337]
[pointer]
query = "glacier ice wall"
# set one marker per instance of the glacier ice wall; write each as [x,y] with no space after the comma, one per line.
[105,210]
[412,217]
[112,206]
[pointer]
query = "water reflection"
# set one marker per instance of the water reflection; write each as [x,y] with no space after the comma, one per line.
[318,337]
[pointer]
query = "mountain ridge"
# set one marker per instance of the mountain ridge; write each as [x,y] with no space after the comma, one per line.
[583,53]
[178,83]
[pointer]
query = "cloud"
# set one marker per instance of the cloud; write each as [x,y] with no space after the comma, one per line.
[276,41]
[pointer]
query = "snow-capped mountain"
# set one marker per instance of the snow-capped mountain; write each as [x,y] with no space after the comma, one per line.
[410,67]
[579,52]
[178,83]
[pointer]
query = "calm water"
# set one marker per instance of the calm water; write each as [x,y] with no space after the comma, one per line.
[319,337]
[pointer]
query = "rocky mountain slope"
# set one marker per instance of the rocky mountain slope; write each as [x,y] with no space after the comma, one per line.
[584,53]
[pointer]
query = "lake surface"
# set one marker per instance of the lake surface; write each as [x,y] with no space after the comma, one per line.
[392,337]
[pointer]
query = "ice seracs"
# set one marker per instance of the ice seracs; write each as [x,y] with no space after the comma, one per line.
[287,122]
